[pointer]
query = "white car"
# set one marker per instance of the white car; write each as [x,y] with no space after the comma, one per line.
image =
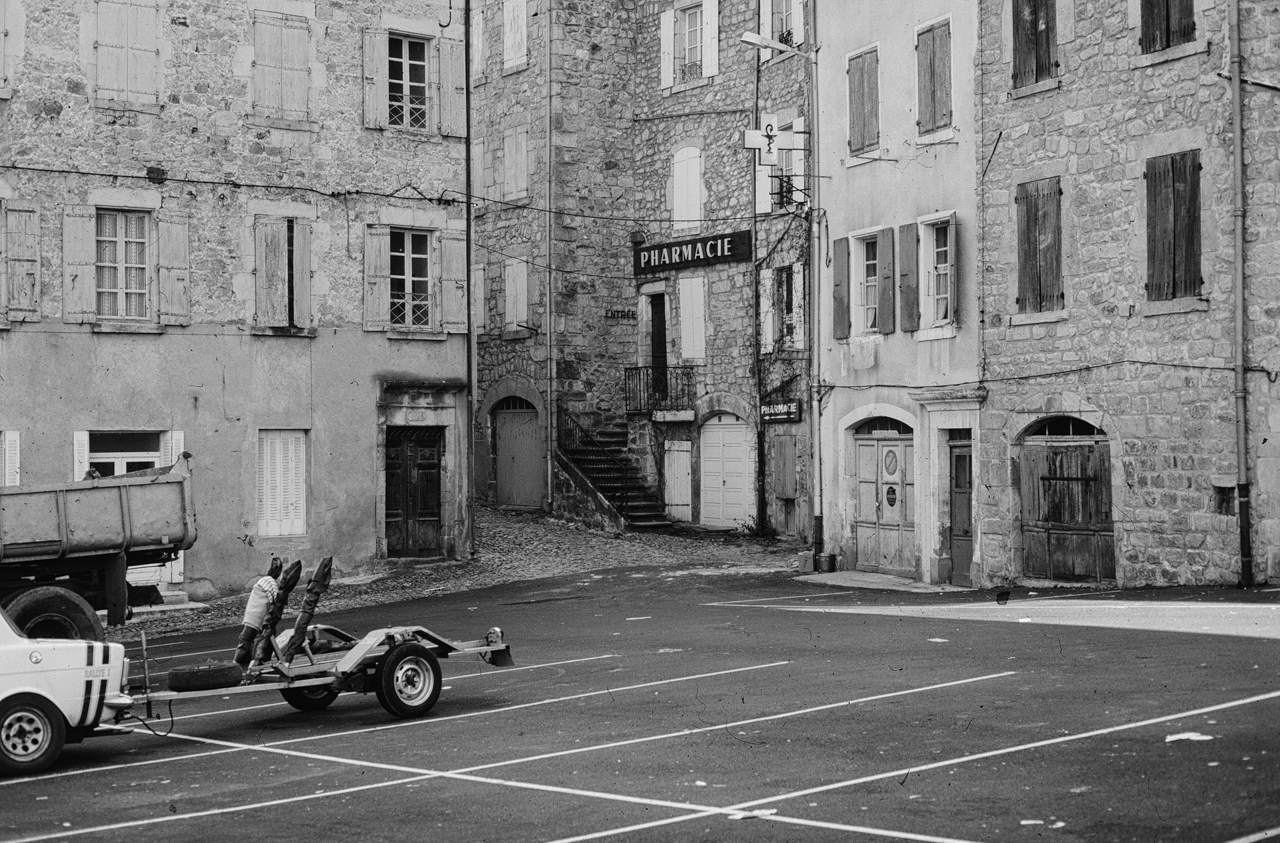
[55,691]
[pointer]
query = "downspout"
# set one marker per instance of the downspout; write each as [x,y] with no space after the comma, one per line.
[468,443]
[815,270]
[1241,386]
[549,325]
[762,499]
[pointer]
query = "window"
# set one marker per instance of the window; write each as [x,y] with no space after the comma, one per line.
[686,205]
[938,242]
[933,78]
[126,51]
[410,278]
[10,474]
[415,279]
[479,54]
[115,453]
[281,67]
[1167,23]
[788,307]
[869,296]
[863,73]
[693,318]
[515,34]
[781,20]
[1040,246]
[515,276]
[282,482]
[789,175]
[283,272]
[690,43]
[515,163]
[874,292]
[1173,226]
[1035,42]
[408,105]
[20,265]
[121,269]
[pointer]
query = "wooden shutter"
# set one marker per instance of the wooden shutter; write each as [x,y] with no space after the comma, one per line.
[515,163]
[1027,201]
[785,466]
[1160,228]
[693,318]
[79,256]
[797,20]
[798,298]
[175,271]
[799,175]
[764,189]
[1046,39]
[377,278]
[1182,22]
[926,115]
[942,75]
[479,300]
[516,279]
[953,270]
[79,455]
[453,89]
[5,50]
[281,66]
[767,313]
[453,282]
[271,272]
[302,274]
[376,95]
[1185,168]
[10,459]
[1049,246]
[282,483]
[687,186]
[20,230]
[765,26]
[885,307]
[515,23]
[667,49]
[126,50]
[841,324]
[863,73]
[1155,26]
[710,38]
[478,52]
[1024,42]
[909,275]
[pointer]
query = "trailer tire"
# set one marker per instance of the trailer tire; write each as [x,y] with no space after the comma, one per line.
[313,698]
[49,611]
[32,732]
[205,677]
[408,680]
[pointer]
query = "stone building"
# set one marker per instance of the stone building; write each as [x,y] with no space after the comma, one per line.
[644,272]
[1109,447]
[237,229]
[901,319]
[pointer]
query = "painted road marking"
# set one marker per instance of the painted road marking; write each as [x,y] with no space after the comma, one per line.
[1261,835]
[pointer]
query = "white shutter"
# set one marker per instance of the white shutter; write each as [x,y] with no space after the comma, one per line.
[797,20]
[710,37]
[687,188]
[515,163]
[376,95]
[797,305]
[175,270]
[667,51]
[79,455]
[453,282]
[693,319]
[479,308]
[295,69]
[764,190]
[171,447]
[5,23]
[797,162]
[477,43]
[20,270]
[295,520]
[9,459]
[765,288]
[281,66]
[282,483]
[515,19]
[453,89]
[377,278]
[766,25]
[515,275]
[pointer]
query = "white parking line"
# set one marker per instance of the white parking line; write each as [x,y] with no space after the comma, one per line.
[1270,833]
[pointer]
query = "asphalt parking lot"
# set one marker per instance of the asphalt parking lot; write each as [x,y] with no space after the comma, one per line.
[648,704]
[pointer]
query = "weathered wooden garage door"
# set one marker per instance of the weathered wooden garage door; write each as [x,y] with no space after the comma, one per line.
[726,472]
[884,497]
[677,480]
[1067,532]
[413,525]
[520,454]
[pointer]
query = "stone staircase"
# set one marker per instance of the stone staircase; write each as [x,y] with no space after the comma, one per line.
[602,456]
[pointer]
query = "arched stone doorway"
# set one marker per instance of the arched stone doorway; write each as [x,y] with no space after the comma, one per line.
[1065,487]
[518,454]
[880,471]
[726,470]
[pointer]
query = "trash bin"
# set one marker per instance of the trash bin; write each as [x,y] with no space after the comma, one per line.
[827,563]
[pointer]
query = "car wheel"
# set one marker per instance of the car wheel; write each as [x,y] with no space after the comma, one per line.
[51,612]
[32,732]
[408,680]
[313,698]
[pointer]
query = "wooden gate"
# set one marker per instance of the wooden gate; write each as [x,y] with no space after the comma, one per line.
[520,454]
[413,525]
[1067,532]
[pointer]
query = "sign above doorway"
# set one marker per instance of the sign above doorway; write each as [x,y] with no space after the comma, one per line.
[699,251]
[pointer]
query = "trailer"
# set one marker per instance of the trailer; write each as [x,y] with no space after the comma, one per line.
[65,548]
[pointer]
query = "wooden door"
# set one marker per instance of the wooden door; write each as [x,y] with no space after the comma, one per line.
[520,452]
[725,471]
[677,480]
[1067,533]
[884,504]
[961,514]
[413,524]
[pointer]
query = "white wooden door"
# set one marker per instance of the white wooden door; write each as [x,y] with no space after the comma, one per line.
[677,480]
[884,511]
[726,472]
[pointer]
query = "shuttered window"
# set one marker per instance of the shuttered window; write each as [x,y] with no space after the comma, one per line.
[282,269]
[410,278]
[122,241]
[515,163]
[938,242]
[1167,23]
[10,473]
[515,33]
[689,43]
[282,482]
[686,210]
[788,307]
[127,50]
[515,277]
[408,102]
[840,300]
[863,75]
[1035,42]
[1040,246]
[933,78]
[868,286]
[281,66]
[781,20]
[693,318]
[1173,226]
[20,247]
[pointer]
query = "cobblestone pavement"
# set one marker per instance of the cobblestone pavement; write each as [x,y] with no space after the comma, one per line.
[510,546]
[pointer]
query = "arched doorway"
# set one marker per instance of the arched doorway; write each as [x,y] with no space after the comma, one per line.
[519,450]
[881,471]
[1065,473]
[726,472]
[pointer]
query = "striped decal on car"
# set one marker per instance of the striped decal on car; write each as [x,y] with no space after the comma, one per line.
[95,690]
[89,661]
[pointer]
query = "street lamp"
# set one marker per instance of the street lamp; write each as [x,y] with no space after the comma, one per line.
[815,265]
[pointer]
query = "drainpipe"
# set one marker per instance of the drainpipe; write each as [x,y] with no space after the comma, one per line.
[549,326]
[815,270]
[1241,386]
[468,441]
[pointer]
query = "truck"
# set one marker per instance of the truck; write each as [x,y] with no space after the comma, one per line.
[65,548]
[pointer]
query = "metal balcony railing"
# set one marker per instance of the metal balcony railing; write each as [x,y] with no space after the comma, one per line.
[669,388]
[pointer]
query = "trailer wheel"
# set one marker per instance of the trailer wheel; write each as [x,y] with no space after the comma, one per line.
[408,680]
[53,612]
[32,733]
[205,677]
[314,698]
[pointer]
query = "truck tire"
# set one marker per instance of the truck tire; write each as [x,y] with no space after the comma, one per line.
[408,680]
[205,677]
[48,611]
[311,698]
[32,733]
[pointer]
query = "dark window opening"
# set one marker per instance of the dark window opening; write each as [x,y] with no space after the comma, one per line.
[882,424]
